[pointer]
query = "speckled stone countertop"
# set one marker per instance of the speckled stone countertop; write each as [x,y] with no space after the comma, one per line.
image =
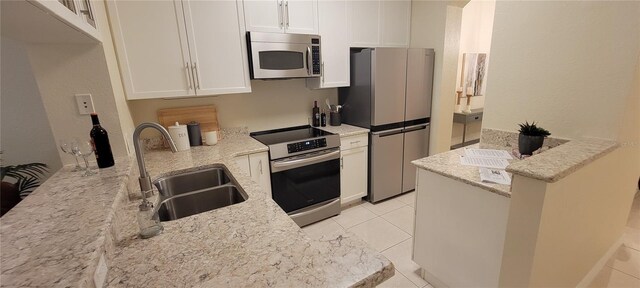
[250,244]
[561,161]
[555,160]
[448,164]
[56,237]
[345,130]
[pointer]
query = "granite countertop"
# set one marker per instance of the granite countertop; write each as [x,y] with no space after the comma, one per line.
[557,159]
[448,164]
[561,161]
[53,237]
[57,236]
[345,130]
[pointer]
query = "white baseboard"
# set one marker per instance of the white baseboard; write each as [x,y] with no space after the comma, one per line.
[433,280]
[599,265]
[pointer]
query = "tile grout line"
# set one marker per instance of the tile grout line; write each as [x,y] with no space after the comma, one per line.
[397,225]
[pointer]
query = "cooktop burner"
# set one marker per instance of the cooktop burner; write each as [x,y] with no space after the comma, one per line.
[294,141]
[284,135]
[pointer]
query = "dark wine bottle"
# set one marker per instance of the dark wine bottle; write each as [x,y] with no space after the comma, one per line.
[100,142]
[316,114]
[323,119]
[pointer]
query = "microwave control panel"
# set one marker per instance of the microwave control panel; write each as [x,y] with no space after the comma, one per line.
[306,145]
[315,56]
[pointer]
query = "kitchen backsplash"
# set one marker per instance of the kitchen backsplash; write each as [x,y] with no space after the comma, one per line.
[271,104]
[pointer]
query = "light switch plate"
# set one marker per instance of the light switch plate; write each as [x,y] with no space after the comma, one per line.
[85,104]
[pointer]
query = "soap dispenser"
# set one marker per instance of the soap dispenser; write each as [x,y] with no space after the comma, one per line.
[147,220]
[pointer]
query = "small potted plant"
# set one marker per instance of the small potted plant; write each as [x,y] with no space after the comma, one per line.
[531,138]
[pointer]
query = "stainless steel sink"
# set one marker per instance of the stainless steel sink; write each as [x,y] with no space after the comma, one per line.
[200,201]
[192,181]
[195,192]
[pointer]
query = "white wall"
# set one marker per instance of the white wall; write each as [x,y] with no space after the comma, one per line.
[122,106]
[272,104]
[567,65]
[436,24]
[63,70]
[25,134]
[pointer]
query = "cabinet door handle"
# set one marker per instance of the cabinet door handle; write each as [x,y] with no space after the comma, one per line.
[187,68]
[341,163]
[280,17]
[286,5]
[87,11]
[322,71]
[260,164]
[355,142]
[195,75]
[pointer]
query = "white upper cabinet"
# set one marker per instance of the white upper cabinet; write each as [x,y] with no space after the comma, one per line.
[364,17]
[301,16]
[264,16]
[50,21]
[154,57]
[332,21]
[395,23]
[180,48]
[217,47]
[282,16]
[379,23]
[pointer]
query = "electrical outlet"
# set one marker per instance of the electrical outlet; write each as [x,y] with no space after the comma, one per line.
[85,104]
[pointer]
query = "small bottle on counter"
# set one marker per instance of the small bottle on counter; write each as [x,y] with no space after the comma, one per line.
[323,119]
[148,222]
[100,142]
[316,114]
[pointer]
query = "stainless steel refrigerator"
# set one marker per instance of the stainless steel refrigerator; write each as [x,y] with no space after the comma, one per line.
[390,94]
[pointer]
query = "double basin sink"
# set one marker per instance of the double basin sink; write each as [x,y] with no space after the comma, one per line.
[195,192]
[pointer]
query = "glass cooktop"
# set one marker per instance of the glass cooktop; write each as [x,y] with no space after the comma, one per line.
[284,135]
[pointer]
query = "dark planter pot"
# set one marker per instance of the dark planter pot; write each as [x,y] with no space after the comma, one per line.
[10,196]
[528,144]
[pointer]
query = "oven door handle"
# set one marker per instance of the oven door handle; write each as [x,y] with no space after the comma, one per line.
[307,58]
[277,166]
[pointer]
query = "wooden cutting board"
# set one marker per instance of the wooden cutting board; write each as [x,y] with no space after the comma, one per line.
[207,116]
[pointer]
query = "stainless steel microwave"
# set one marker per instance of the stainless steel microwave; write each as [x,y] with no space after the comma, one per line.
[279,55]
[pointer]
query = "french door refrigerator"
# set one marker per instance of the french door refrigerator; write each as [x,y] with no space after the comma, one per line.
[390,94]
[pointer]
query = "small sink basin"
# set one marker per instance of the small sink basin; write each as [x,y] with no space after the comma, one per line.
[192,181]
[204,200]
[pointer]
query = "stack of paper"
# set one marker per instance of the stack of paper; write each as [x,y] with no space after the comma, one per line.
[491,162]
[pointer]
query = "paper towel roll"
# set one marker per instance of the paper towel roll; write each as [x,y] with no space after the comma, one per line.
[180,136]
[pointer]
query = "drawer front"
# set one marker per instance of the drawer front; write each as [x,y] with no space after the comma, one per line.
[474,117]
[349,142]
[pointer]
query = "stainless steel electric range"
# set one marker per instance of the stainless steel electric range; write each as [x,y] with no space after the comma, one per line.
[305,171]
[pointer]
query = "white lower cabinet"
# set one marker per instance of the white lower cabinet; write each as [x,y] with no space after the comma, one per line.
[353,170]
[257,167]
[260,173]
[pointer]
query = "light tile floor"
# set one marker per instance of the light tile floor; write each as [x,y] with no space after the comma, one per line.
[388,227]
[623,269]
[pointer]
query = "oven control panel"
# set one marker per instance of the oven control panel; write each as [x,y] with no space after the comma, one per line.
[306,145]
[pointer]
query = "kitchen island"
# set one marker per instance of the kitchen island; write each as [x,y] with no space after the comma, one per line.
[76,231]
[551,227]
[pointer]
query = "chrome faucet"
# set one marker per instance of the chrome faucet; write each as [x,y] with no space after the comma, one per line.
[144,179]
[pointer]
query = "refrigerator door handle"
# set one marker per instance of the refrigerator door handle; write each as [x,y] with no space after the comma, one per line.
[416,127]
[386,133]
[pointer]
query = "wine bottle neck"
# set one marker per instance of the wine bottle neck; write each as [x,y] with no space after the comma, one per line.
[94,120]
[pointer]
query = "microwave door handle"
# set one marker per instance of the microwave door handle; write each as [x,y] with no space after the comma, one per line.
[308,64]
